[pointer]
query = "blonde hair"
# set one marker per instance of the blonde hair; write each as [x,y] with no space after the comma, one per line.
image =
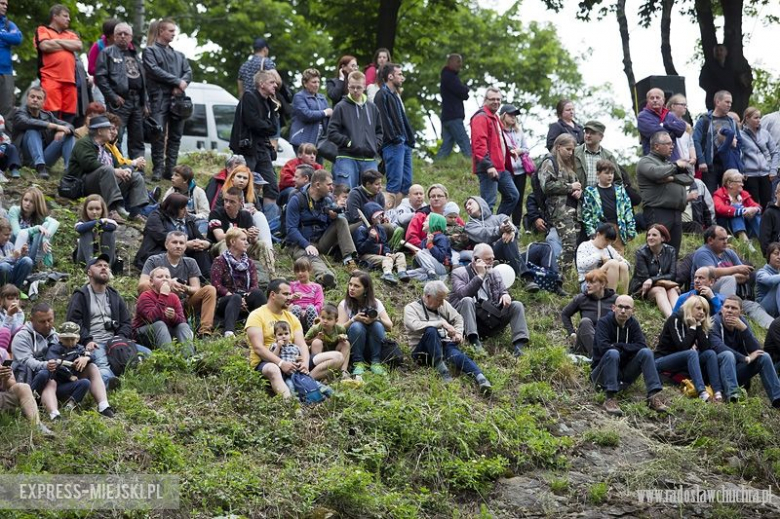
[690,305]
[40,211]
[729,175]
[232,235]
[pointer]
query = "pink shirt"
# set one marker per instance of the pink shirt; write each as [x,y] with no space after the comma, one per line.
[311,294]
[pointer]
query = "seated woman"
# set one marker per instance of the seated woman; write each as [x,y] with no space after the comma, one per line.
[11,318]
[592,304]
[598,253]
[159,316]
[96,231]
[32,226]
[366,322]
[608,202]
[183,182]
[172,216]
[684,347]
[656,270]
[768,281]
[234,276]
[243,179]
[735,209]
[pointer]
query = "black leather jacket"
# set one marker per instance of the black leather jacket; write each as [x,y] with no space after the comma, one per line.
[164,68]
[23,121]
[647,267]
[111,74]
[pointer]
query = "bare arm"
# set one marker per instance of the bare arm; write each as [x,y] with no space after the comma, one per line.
[48,46]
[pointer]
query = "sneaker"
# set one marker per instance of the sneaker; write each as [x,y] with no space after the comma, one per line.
[378,369]
[43,173]
[351,265]
[358,369]
[326,390]
[108,412]
[114,215]
[328,281]
[389,278]
[113,384]
[230,334]
[404,277]
[3,178]
[704,396]
[531,286]
[15,173]
[612,408]
[432,275]
[154,194]
[70,405]
[346,375]
[476,343]
[518,351]
[656,404]
[122,212]
[486,388]
[44,430]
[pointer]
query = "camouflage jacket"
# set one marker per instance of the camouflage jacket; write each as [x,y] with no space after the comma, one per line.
[556,185]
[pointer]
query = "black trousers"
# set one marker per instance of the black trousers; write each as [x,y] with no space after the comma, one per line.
[132,115]
[165,149]
[229,307]
[517,213]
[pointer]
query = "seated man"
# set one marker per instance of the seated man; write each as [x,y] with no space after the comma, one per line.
[15,265]
[593,304]
[231,215]
[260,334]
[703,279]
[434,330]
[41,137]
[15,395]
[314,229]
[498,231]
[731,333]
[102,314]
[185,280]
[413,202]
[479,294]
[620,354]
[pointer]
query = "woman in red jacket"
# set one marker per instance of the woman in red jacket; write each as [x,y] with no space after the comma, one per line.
[735,209]
[159,317]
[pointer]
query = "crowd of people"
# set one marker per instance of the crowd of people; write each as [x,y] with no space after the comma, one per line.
[207,259]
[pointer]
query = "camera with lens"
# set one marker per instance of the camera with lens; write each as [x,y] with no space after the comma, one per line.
[370,312]
[111,326]
[245,144]
[328,204]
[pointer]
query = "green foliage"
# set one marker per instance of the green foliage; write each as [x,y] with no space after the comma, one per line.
[602,437]
[766,91]
[597,493]
[559,486]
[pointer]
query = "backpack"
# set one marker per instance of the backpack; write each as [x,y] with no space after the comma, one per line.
[539,259]
[307,388]
[121,354]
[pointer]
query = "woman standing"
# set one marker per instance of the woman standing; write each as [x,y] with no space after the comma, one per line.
[310,111]
[518,149]
[678,105]
[565,124]
[366,322]
[373,72]
[761,156]
[337,87]
[656,270]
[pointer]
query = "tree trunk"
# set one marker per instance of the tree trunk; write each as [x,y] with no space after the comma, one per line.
[732,39]
[387,24]
[709,39]
[628,66]
[666,31]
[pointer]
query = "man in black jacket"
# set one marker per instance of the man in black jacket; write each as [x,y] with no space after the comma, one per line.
[119,75]
[620,354]
[168,74]
[453,94]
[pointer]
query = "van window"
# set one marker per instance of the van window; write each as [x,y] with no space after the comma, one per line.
[223,118]
[196,126]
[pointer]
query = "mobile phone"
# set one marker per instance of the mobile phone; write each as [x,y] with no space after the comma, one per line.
[7,363]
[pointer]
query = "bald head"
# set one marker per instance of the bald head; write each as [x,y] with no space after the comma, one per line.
[703,277]
[623,308]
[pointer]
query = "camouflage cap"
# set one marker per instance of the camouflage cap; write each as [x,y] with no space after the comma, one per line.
[69,330]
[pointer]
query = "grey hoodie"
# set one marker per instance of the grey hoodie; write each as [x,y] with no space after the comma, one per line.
[31,353]
[487,227]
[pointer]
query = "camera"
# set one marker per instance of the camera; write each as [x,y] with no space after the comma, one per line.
[111,326]
[370,312]
[245,143]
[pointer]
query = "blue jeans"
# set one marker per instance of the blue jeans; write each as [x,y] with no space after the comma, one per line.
[489,189]
[101,360]
[683,361]
[347,171]
[431,350]
[771,301]
[65,390]
[398,167]
[737,224]
[452,132]
[555,242]
[16,272]
[736,374]
[366,341]
[609,375]
[32,148]
[10,159]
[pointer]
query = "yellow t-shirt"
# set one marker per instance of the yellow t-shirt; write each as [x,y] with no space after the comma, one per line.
[265,319]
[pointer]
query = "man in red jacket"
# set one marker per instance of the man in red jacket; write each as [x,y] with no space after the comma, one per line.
[490,155]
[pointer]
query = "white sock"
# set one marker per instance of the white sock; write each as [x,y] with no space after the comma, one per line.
[102,406]
[54,414]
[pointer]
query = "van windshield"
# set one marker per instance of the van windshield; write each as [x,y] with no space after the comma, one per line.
[223,118]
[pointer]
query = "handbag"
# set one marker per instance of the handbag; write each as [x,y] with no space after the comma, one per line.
[544,276]
[491,317]
[391,354]
[71,187]
[325,148]
[528,164]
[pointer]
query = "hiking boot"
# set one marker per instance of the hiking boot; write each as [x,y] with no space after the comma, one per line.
[108,412]
[154,194]
[486,388]
[378,369]
[404,277]
[358,369]
[476,343]
[518,351]
[114,215]
[656,404]
[531,286]
[123,212]
[560,291]
[43,173]
[389,278]
[328,281]
[612,408]
[156,176]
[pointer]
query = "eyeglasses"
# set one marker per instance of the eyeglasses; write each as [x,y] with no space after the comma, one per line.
[625,308]
[736,182]
[436,196]
[669,143]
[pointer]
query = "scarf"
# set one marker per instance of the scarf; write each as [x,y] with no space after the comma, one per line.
[239,270]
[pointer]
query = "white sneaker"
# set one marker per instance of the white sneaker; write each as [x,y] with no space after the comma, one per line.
[229,334]
[3,178]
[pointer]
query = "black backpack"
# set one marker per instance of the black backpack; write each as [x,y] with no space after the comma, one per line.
[121,354]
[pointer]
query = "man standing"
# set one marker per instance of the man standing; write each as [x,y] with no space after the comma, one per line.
[356,129]
[453,94]
[57,47]
[663,185]
[620,354]
[314,229]
[168,74]
[434,330]
[587,154]
[10,36]
[705,135]
[41,137]
[119,75]
[256,62]
[490,160]
[398,137]
[185,280]
[655,117]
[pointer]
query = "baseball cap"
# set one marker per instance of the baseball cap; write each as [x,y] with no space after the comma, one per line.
[595,126]
[260,43]
[508,109]
[94,260]
[69,330]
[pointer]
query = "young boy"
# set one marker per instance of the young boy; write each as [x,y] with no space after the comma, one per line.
[340,195]
[287,350]
[307,155]
[327,336]
[371,245]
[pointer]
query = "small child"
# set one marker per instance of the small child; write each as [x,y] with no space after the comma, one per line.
[459,240]
[729,149]
[12,317]
[435,254]
[328,336]
[288,351]
[307,296]
[371,244]
[96,231]
[183,182]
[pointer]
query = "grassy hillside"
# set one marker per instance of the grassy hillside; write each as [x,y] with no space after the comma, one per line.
[406,445]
